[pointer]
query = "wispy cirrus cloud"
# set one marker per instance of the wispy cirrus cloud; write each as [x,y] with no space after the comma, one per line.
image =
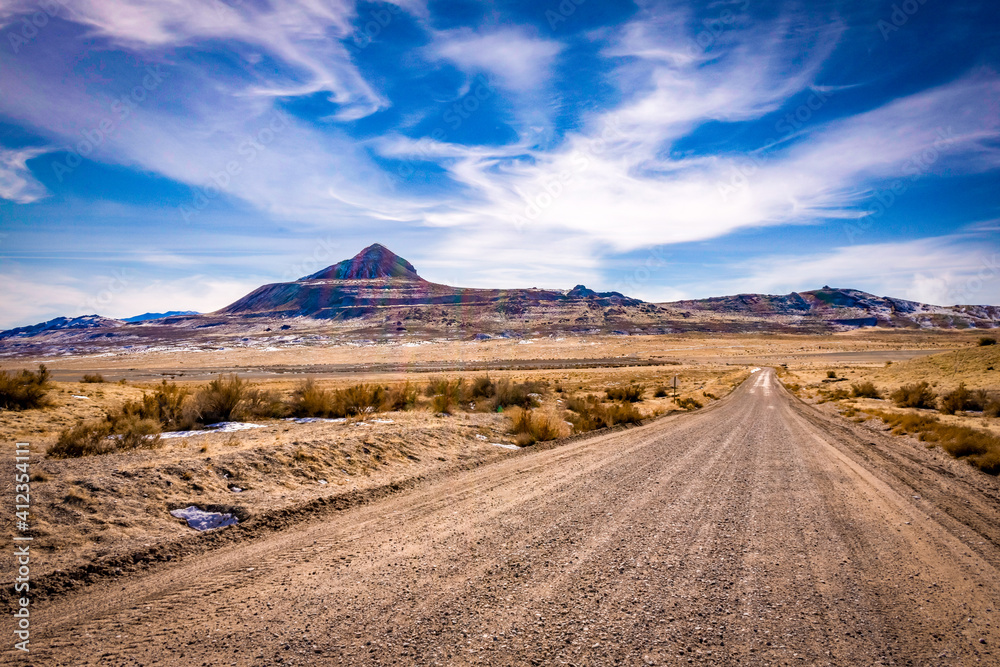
[17,183]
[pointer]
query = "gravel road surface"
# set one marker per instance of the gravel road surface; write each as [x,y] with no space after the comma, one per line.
[756,531]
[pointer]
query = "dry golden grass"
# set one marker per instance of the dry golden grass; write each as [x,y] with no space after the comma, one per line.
[980,448]
[531,426]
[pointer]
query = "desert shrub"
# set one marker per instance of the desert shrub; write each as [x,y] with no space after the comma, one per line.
[688,403]
[963,399]
[916,395]
[135,433]
[310,400]
[400,397]
[992,407]
[531,426]
[623,413]
[92,378]
[660,392]
[443,403]
[84,439]
[219,400]
[831,374]
[360,399]
[446,395]
[25,389]
[590,413]
[987,340]
[631,393]
[865,389]
[261,404]
[94,437]
[483,387]
[166,406]
[523,394]
[437,386]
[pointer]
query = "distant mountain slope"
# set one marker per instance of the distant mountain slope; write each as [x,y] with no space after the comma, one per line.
[63,324]
[843,307]
[145,317]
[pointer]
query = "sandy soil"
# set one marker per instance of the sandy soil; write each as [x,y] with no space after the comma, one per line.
[756,531]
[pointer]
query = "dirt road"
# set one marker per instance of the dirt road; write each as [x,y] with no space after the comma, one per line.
[756,531]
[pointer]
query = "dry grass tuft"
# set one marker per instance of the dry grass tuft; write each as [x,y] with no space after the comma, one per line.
[531,426]
[688,403]
[980,448]
[90,438]
[632,394]
[588,414]
[93,378]
[311,400]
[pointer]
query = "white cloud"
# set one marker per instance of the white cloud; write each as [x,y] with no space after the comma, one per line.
[29,300]
[303,34]
[521,62]
[16,181]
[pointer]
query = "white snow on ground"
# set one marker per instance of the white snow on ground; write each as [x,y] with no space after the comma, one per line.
[202,520]
[383,421]
[84,397]
[754,370]
[481,437]
[500,444]
[221,427]
[314,420]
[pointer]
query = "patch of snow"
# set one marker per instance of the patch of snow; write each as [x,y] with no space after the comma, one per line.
[754,370]
[221,427]
[228,427]
[383,421]
[480,437]
[500,444]
[202,520]
[236,489]
[87,398]
[314,420]
[322,481]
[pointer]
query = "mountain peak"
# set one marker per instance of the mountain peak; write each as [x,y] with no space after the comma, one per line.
[374,262]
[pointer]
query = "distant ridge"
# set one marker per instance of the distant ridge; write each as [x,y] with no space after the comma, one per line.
[145,317]
[63,324]
[379,290]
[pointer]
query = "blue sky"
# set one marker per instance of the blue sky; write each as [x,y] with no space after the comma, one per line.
[175,154]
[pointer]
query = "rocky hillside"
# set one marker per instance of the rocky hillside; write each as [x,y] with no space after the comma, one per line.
[379,294]
[842,308]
